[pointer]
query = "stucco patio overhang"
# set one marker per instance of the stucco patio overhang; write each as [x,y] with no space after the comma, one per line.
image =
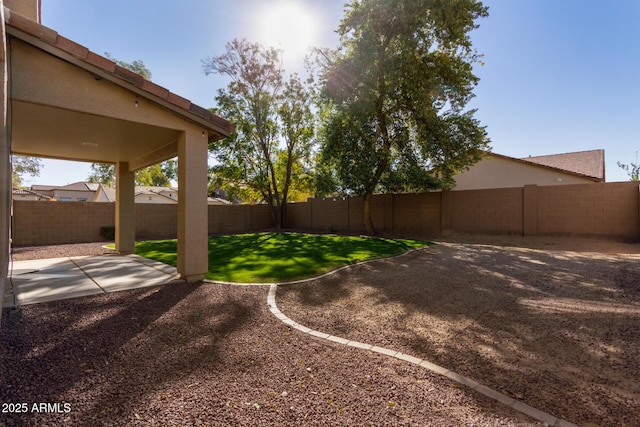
[66,102]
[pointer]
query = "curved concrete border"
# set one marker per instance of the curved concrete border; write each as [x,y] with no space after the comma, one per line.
[546,418]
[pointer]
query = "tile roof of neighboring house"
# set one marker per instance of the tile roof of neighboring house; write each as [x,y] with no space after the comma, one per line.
[75,186]
[156,189]
[21,192]
[122,76]
[37,187]
[110,192]
[146,192]
[78,186]
[587,163]
[218,201]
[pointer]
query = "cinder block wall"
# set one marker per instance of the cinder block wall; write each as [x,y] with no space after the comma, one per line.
[156,221]
[330,214]
[496,211]
[609,209]
[299,215]
[46,223]
[599,210]
[238,218]
[417,213]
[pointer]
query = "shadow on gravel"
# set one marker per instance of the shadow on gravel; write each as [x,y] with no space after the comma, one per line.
[101,354]
[560,331]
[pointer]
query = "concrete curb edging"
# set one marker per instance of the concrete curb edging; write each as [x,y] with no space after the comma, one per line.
[548,419]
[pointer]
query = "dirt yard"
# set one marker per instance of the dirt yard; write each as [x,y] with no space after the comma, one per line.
[553,322]
[557,327]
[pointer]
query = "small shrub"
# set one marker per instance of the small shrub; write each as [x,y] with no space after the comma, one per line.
[108,232]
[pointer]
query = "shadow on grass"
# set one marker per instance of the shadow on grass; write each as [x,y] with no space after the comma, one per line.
[277,257]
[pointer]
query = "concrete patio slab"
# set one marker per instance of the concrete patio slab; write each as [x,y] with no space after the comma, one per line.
[43,280]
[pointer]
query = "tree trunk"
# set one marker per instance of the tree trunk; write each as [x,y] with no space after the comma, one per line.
[283,212]
[368,223]
[274,210]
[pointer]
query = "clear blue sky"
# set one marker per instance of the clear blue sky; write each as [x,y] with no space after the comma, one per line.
[559,76]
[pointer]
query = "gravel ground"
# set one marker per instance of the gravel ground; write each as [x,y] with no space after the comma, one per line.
[59,251]
[556,329]
[210,355]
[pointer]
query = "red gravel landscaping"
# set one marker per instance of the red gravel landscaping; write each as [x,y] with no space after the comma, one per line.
[556,329]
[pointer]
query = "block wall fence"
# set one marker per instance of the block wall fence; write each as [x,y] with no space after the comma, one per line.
[599,210]
[46,223]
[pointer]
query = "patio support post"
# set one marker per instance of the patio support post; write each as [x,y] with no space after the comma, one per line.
[193,261]
[125,213]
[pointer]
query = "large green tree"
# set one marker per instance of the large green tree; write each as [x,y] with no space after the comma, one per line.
[158,175]
[396,92]
[102,173]
[274,125]
[292,167]
[137,66]
[24,165]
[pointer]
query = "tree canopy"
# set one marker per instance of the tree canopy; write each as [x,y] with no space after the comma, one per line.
[158,175]
[274,125]
[24,165]
[395,94]
[137,66]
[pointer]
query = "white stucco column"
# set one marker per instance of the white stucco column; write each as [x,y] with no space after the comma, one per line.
[193,228]
[125,209]
[5,155]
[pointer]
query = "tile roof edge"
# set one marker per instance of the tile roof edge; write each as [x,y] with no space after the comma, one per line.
[35,193]
[600,153]
[524,161]
[598,150]
[151,90]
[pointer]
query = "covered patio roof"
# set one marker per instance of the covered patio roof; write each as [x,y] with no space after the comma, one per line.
[68,102]
[61,100]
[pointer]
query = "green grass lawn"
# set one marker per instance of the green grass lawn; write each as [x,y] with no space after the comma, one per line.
[280,257]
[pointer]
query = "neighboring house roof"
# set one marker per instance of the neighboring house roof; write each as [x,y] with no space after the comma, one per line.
[587,163]
[21,192]
[108,194]
[85,58]
[500,171]
[217,201]
[77,186]
[561,165]
[105,194]
[168,190]
[147,192]
[43,187]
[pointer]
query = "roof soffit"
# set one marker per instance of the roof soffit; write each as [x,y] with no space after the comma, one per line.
[49,41]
